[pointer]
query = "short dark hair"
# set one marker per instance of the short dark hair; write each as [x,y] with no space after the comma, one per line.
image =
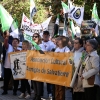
[94,43]
[80,41]
[46,32]
[16,39]
[26,42]
[5,32]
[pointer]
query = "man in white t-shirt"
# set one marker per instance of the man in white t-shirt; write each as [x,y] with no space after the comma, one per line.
[47,45]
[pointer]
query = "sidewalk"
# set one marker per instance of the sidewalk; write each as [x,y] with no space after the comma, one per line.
[10,95]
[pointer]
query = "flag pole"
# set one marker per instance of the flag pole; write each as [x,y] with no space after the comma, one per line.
[42,27]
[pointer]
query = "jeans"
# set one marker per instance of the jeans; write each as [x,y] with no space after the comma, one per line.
[49,88]
[38,88]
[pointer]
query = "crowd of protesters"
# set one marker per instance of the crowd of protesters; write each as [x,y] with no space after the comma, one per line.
[88,51]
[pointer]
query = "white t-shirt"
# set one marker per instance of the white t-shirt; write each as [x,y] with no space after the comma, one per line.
[64,49]
[7,60]
[47,46]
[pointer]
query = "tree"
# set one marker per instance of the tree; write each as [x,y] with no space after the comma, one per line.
[45,8]
[56,7]
[17,7]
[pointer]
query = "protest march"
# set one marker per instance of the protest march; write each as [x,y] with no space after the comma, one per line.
[66,58]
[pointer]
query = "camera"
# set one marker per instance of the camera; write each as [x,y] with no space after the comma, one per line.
[86,27]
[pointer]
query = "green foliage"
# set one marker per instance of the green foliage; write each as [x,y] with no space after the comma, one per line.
[56,7]
[17,9]
[45,8]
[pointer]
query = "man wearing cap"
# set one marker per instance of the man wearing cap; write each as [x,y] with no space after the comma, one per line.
[47,45]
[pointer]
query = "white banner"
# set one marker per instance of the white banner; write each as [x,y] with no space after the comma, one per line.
[18,65]
[76,13]
[30,29]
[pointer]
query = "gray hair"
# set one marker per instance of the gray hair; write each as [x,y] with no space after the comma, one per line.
[94,43]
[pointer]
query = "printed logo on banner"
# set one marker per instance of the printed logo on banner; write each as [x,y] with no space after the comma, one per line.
[17,67]
[18,64]
[77,14]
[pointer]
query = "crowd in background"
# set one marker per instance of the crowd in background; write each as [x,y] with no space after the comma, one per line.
[89,66]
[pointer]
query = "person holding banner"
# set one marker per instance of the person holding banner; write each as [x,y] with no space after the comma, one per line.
[47,45]
[62,43]
[24,82]
[90,76]
[78,91]
[7,66]
[37,86]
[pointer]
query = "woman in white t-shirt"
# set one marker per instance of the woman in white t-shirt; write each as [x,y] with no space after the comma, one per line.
[62,42]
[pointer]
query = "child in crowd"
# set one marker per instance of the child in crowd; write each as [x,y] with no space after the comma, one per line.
[24,82]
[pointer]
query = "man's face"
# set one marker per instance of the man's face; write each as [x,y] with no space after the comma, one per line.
[46,37]
[77,45]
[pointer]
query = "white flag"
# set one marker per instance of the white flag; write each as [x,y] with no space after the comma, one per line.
[97,30]
[65,7]
[69,5]
[32,9]
[76,13]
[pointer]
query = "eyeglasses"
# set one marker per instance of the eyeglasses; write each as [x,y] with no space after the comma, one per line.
[88,45]
[35,36]
[76,42]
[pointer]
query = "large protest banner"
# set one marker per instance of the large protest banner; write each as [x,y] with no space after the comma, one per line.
[18,64]
[50,67]
[30,29]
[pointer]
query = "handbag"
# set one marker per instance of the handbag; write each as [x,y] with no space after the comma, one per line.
[91,80]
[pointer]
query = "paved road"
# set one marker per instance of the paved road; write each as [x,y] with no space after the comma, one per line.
[10,95]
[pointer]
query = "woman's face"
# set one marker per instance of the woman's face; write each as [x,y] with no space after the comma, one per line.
[24,46]
[15,43]
[77,45]
[89,47]
[54,40]
[35,38]
[59,42]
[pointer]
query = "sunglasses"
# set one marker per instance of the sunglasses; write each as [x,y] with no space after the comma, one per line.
[35,36]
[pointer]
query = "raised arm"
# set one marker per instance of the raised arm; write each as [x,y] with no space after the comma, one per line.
[6,38]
